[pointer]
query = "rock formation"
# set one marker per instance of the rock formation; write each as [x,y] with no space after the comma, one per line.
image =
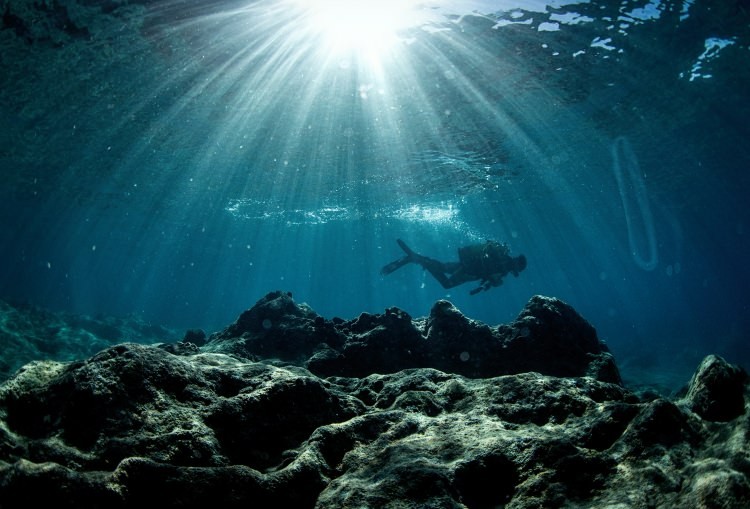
[280,409]
[29,333]
[548,336]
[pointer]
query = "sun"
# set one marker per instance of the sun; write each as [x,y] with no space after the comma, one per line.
[366,28]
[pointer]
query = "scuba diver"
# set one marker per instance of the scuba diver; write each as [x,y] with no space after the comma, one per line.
[488,263]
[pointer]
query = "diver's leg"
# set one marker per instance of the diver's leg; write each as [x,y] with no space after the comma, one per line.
[458,276]
[422,260]
[438,270]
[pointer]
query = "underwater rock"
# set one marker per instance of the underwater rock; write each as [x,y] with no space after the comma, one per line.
[139,425]
[548,336]
[716,390]
[195,336]
[136,425]
[275,327]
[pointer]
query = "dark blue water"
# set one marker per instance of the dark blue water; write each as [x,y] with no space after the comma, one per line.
[179,160]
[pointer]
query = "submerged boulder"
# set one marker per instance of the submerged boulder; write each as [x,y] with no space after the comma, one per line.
[716,390]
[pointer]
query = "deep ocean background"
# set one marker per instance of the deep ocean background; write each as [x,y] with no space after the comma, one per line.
[177,161]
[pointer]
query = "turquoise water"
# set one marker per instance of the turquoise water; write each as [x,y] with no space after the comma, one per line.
[178,160]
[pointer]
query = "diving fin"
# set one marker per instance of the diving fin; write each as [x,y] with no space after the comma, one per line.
[402,245]
[395,265]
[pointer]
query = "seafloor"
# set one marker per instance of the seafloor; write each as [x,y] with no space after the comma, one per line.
[285,408]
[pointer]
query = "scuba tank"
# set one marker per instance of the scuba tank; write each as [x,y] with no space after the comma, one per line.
[483,259]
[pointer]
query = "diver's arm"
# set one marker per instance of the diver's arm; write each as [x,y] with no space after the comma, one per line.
[487,283]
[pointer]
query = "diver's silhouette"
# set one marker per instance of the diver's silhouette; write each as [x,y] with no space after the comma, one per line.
[487,263]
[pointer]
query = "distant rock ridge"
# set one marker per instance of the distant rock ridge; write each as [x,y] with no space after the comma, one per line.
[178,425]
[548,337]
[28,333]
